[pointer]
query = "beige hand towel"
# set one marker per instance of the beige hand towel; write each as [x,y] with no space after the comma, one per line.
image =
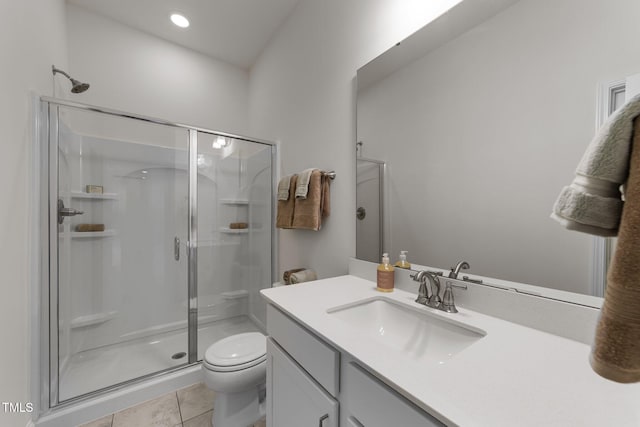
[308,212]
[284,216]
[302,187]
[284,186]
[592,203]
[307,275]
[616,349]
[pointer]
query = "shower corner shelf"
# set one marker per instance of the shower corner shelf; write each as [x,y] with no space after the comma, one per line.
[95,196]
[238,202]
[90,234]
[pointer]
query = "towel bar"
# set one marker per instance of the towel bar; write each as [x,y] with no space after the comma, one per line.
[330,174]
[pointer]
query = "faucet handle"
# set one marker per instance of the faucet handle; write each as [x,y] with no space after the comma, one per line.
[448,301]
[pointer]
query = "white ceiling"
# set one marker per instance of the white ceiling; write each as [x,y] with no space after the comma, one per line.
[235,31]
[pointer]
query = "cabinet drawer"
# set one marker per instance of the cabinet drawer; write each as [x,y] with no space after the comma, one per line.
[318,358]
[374,404]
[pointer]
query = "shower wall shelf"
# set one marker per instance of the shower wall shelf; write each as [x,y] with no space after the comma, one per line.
[227,230]
[98,196]
[238,202]
[91,234]
[212,243]
[92,319]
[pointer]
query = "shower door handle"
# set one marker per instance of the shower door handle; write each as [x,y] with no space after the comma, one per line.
[176,248]
[62,211]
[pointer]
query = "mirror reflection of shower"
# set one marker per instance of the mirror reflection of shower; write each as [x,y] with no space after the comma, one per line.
[370,186]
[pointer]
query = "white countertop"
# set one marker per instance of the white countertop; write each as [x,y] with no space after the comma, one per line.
[514,376]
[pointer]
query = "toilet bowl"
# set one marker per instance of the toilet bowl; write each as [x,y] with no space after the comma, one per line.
[236,369]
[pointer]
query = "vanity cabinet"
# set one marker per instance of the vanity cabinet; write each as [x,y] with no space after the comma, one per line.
[310,383]
[295,399]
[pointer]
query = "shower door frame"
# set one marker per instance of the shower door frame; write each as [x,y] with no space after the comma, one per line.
[382,209]
[46,265]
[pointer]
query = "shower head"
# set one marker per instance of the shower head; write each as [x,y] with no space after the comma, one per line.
[76,86]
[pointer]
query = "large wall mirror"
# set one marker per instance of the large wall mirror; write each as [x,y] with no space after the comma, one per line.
[481,118]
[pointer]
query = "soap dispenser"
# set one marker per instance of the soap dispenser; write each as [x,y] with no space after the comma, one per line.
[402,261]
[385,275]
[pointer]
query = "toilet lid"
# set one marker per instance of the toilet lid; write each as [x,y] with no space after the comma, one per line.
[237,349]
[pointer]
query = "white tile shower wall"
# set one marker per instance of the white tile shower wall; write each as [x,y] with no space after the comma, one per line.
[117,276]
[31,40]
[302,94]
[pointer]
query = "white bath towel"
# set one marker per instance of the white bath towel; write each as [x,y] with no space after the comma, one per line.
[283,187]
[302,188]
[593,202]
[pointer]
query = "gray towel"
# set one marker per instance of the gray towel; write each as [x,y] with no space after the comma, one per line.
[283,188]
[593,202]
[302,188]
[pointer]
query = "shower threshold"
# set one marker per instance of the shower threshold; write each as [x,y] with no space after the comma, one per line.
[103,367]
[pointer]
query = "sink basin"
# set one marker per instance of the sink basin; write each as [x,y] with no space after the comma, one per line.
[416,333]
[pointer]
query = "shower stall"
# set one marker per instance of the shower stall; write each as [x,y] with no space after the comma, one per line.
[156,239]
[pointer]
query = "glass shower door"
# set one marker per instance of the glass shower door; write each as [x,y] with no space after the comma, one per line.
[119,210]
[235,181]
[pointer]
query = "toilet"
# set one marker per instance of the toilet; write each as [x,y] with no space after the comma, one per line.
[236,369]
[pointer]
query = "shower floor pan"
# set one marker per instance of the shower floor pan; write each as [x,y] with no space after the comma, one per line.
[103,367]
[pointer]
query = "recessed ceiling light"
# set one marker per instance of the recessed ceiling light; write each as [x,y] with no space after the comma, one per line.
[179,20]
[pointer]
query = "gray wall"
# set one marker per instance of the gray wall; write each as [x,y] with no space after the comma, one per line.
[302,94]
[31,39]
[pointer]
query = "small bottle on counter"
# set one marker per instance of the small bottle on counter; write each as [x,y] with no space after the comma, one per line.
[402,262]
[385,276]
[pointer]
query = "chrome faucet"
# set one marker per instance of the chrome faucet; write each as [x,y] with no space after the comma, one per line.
[428,295]
[453,274]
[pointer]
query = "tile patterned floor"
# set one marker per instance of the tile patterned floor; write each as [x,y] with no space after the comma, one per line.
[187,407]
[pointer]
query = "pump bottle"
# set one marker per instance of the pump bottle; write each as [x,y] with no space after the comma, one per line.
[402,261]
[385,275]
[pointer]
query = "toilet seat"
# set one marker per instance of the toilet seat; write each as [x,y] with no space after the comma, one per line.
[236,353]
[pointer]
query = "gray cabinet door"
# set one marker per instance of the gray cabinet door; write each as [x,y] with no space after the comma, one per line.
[294,399]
